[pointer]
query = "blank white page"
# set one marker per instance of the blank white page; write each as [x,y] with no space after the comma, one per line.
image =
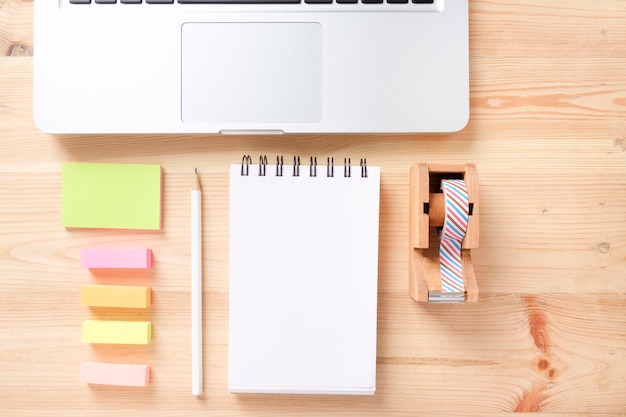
[303,281]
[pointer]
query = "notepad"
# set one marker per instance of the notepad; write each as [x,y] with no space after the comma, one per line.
[303,280]
[112,196]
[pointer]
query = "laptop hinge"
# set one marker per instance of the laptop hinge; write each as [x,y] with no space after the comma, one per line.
[252,132]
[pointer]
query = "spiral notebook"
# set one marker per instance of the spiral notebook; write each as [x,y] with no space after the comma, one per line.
[303,277]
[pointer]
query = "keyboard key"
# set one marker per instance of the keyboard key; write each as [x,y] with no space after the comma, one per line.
[347,1]
[131,1]
[106,1]
[159,1]
[423,1]
[318,1]
[371,1]
[240,1]
[80,1]
[397,1]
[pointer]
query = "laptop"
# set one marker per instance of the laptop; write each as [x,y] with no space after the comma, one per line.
[250,66]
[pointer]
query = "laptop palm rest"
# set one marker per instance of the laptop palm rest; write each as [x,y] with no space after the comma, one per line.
[227,76]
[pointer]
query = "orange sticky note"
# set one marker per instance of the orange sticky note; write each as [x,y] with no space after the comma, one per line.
[115,296]
[128,375]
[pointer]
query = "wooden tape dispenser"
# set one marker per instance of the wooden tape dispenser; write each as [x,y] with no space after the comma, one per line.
[443,225]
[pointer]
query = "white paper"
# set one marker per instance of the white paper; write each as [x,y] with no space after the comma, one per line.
[303,281]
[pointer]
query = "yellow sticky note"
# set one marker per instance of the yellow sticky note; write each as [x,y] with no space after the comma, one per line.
[117,332]
[111,196]
[115,296]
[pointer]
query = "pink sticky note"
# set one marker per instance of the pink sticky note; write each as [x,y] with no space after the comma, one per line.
[116,258]
[114,374]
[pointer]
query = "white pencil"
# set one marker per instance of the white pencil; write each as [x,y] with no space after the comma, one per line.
[196,287]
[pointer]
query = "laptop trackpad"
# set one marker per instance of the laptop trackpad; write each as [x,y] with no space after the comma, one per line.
[251,72]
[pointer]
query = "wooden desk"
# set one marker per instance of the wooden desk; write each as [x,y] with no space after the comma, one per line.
[548,135]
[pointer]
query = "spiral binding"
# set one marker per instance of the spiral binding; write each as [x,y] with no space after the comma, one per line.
[279,166]
[246,161]
[262,165]
[296,166]
[245,165]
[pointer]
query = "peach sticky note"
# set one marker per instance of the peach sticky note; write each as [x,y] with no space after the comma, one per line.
[117,332]
[111,196]
[115,296]
[140,258]
[128,375]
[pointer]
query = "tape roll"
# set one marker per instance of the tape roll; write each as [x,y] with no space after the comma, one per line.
[456,203]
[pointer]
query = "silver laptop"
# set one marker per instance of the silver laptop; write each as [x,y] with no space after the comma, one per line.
[251,66]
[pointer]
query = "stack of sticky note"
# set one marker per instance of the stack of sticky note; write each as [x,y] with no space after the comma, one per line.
[115,296]
[116,331]
[114,374]
[113,196]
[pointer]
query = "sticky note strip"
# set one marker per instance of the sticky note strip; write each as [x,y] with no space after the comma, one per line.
[116,258]
[117,332]
[93,295]
[128,375]
[113,196]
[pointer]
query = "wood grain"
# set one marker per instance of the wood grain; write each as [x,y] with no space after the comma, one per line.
[548,136]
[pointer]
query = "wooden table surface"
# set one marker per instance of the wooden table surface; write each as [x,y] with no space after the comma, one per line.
[548,136]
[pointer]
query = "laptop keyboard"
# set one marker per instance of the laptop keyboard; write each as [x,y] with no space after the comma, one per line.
[252,1]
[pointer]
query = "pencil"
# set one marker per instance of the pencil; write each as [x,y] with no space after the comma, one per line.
[196,287]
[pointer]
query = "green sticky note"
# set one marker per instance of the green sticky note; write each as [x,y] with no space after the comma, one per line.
[111,196]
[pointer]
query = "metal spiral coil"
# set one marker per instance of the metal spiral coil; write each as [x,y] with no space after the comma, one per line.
[246,161]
